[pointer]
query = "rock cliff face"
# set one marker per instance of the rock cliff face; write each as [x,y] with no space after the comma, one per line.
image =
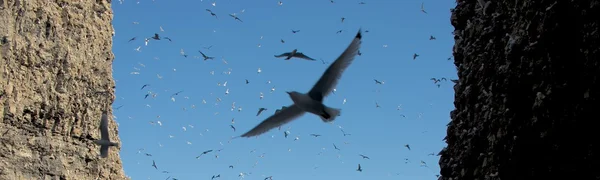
[527,100]
[55,56]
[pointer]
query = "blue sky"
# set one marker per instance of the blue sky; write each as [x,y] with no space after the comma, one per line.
[379,133]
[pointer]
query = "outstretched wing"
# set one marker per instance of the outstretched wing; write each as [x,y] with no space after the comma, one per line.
[330,77]
[203,55]
[283,55]
[104,135]
[276,120]
[300,55]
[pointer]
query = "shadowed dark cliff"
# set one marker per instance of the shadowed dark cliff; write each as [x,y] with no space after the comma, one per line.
[54,56]
[527,101]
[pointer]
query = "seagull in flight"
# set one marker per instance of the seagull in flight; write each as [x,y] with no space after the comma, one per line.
[423,8]
[212,13]
[364,157]
[235,17]
[104,141]
[260,110]
[312,102]
[294,53]
[205,56]
[154,165]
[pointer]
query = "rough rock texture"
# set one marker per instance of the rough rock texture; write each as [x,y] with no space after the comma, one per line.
[55,55]
[527,101]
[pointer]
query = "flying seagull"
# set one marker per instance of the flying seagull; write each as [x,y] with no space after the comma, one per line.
[205,56]
[312,102]
[423,8]
[260,110]
[154,165]
[294,53]
[104,141]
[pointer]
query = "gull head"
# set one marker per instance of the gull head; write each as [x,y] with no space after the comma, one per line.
[296,96]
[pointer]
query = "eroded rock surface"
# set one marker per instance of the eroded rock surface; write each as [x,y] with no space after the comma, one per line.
[55,58]
[527,101]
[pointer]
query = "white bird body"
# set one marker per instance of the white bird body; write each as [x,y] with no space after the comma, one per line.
[307,104]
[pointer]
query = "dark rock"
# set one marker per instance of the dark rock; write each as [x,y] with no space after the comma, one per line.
[527,101]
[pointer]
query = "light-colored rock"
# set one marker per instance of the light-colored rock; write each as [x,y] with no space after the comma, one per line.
[54,56]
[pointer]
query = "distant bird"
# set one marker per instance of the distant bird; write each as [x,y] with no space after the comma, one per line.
[104,141]
[345,134]
[361,3]
[154,165]
[407,146]
[359,168]
[286,134]
[364,157]
[208,47]
[212,13]
[343,18]
[232,127]
[340,31]
[148,154]
[156,36]
[378,82]
[315,135]
[260,110]
[132,39]
[205,56]
[359,53]
[203,153]
[230,166]
[295,31]
[323,61]
[432,38]
[335,147]
[235,17]
[312,102]
[423,8]
[145,85]
[217,176]
[294,53]
[167,38]
[282,41]
[247,81]
[415,56]
[177,93]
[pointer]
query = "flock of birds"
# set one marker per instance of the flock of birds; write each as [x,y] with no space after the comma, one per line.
[310,102]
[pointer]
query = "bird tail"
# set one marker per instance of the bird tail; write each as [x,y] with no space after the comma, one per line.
[332,112]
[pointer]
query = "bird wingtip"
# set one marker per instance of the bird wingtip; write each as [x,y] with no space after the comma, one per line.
[359,34]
